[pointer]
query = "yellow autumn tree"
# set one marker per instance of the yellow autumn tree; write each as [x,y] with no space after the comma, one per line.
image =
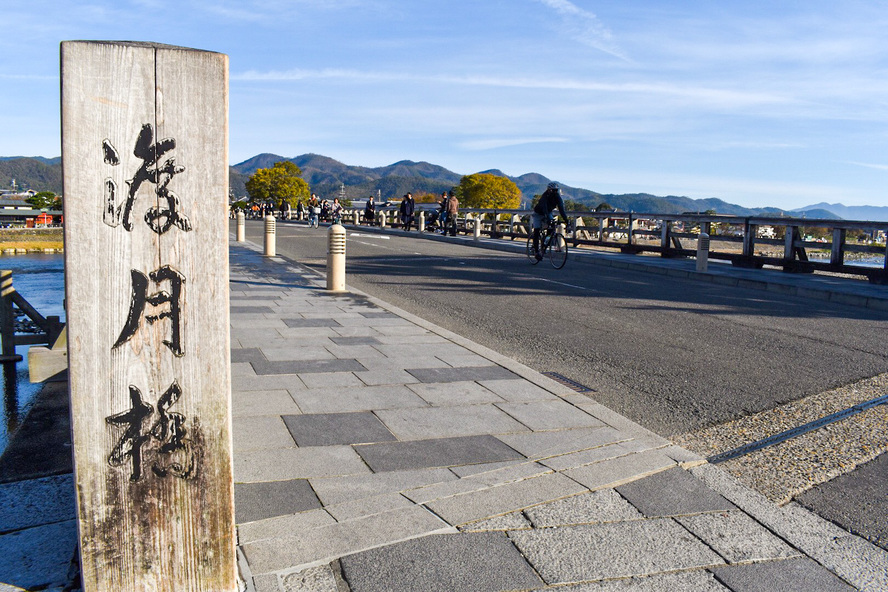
[283,181]
[483,190]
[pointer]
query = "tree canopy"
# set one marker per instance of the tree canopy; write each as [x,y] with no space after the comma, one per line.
[283,181]
[483,190]
[45,200]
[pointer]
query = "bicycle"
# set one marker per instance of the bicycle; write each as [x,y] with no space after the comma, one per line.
[553,243]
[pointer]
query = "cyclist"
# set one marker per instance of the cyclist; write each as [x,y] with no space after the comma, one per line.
[543,211]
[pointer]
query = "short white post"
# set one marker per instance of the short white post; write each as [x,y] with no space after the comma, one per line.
[477,228]
[382,219]
[241,227]
[270,238]
[422,222]
[336,258]
[356,217]
[702,252]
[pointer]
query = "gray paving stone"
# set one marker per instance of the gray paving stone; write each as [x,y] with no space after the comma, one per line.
[252,403]
[242,384]
[792,575]
[240,310]
[368,506]
[338,490]
[523,390]
[313,579]
[737,537]
[465,360]
[316,322]
[610,473]
[297,463]
[356,340]
[242,369]
[440,452]
[480,562]
[550,415]
[327,429]
[693,581]
[253,324]
[379,315]
[572,460]
[546,444]
[38,558]
[247,354]
[367,352]
[304,352]
[356,398]
[503,499]
[266,583]
[384,377]
[325,543]
[282,525]
[443,422]
[604,505]
[307,366]
[461,374]
[455,393]
[323,380]
[260,432]
[482,480]
[511,521]
[616,550]
[673,493]
[267,499]
[24,504]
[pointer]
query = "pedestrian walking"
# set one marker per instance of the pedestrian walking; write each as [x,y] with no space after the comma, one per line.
[314,210]
[452,213]
[408,207]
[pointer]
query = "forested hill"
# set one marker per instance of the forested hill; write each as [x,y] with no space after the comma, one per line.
[325,176]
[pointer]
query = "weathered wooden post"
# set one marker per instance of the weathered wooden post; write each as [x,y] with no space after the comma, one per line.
[145,157]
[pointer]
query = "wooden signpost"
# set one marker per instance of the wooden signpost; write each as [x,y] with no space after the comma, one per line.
[145,166]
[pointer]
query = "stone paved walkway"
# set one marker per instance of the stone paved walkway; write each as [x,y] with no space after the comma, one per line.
[376,451]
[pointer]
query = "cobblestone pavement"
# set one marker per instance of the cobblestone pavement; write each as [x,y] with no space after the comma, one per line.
[376,451]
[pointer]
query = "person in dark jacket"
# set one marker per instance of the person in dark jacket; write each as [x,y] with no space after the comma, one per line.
[370,211]
[543,215]
[408,206]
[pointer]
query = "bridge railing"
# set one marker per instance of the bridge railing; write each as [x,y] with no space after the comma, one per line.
[800,245]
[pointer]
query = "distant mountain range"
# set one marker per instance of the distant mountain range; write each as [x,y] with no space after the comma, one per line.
[325,176]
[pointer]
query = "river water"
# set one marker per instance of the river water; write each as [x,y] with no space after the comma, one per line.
[41,280]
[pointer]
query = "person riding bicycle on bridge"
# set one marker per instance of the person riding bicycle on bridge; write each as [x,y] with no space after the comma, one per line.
[549,201]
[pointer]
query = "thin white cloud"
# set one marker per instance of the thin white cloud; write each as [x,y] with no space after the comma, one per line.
[878,167]
[722,97]
[493,143]
[585,27]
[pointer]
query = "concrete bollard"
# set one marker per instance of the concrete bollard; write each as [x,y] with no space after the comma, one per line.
[702,252]
[422,222]
[336,258]
[477,228]
[356,217]
[382,219]
[241,227]
[270,239]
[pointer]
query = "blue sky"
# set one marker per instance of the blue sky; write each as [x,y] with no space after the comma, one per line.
[760,103]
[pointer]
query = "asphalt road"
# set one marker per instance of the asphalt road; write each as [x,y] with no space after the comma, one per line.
[672,354]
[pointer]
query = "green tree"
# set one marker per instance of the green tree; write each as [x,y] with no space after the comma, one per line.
[604,207]
[45,200]
[483,190]
[283,181]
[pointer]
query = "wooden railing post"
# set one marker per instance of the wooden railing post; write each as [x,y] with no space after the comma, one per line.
[7,318]
[145,153]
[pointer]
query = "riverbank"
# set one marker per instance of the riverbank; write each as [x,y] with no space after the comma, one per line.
[31,240]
